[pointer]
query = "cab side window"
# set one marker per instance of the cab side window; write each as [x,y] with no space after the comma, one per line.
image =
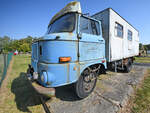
[89,26]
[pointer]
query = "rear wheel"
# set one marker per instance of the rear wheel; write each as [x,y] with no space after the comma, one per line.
[128,67]
[86,83]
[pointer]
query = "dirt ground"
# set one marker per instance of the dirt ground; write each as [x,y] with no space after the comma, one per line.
[111,94]
[17,95]
[1,65]
[3,88]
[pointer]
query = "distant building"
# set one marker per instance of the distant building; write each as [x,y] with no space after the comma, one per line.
[148,52]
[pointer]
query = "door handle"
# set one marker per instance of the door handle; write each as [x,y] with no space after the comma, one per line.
[100,40]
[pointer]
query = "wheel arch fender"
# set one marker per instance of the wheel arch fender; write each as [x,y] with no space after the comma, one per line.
[102,68]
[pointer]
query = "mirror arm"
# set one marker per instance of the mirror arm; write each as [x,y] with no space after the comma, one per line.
[79,35]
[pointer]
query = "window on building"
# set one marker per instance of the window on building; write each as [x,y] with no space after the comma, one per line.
[119,30]
[129,35]
[89,26]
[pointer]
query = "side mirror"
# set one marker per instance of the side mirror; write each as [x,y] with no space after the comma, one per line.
[79,35]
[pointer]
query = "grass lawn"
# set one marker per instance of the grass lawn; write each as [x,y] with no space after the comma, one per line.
[141,102]
[1,65]
[19,95]
[142,59]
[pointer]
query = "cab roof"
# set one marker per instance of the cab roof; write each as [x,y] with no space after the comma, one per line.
[71,7]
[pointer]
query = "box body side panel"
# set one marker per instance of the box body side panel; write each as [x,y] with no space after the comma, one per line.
[122,47]
[116,47]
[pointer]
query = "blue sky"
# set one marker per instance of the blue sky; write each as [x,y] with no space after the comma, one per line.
[21,18]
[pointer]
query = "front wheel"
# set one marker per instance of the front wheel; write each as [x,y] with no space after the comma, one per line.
[86,83]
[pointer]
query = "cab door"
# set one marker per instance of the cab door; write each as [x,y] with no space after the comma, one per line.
[91,43]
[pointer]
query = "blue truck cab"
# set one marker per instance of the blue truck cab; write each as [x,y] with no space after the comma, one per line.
[71,52]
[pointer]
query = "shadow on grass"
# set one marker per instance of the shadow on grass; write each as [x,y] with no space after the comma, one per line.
[25,95]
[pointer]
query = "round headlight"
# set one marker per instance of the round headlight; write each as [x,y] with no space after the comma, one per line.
[42,78]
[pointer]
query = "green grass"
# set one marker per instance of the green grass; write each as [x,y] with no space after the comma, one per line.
[142,59]
[20,96]
[141,103]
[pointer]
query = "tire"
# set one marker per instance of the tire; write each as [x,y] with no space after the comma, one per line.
[81,86]
[28,71]
[128,67]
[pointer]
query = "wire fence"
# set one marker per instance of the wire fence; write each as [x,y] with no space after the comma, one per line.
[4,63]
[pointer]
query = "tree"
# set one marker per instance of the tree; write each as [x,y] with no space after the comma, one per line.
[8,45]
[25,47]
[148,46]
[140,46]
[145,47]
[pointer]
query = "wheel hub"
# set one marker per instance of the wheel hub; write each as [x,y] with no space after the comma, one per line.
[89,82]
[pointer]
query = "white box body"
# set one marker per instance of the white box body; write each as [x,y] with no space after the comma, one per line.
[116,47]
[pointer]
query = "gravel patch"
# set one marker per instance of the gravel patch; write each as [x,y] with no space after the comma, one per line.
[110,95]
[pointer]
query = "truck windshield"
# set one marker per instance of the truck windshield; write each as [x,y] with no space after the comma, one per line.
[65,23]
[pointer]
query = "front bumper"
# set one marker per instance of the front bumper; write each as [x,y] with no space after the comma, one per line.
[55,75]
[50,76]
[48,92]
